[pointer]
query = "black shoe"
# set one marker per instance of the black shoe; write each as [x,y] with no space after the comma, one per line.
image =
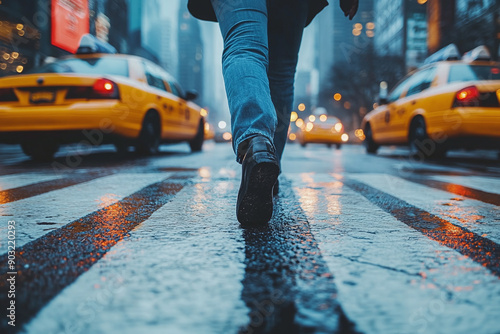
[260,172]
[276,188]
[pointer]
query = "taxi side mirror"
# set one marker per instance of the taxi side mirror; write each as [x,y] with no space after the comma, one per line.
[382,100]
[191,95]
[382,96]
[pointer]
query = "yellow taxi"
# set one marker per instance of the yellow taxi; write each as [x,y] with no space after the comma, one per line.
[321,129]
[94,98]
[450,102]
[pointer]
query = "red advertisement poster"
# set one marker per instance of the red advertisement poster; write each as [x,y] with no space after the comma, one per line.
[70,21]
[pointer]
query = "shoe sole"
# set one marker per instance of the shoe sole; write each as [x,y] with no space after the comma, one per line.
[256,204]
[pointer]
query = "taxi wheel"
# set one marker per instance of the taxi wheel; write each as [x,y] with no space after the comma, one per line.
[370,145]
[149,138]
[303,144]
[40,149]
[420,143]
[197,143]
[329,145]
[338,146]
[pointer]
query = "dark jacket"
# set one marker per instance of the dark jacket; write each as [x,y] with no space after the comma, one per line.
[202,9]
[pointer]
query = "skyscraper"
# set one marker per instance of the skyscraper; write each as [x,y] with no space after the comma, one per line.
[402,30]
[190,69]
[167,45]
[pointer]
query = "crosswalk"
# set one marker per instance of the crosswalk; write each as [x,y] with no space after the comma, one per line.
[161,252]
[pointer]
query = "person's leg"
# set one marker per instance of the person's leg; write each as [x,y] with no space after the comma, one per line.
[244,64]
[287,19]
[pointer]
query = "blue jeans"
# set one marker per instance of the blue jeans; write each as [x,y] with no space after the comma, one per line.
[261,46]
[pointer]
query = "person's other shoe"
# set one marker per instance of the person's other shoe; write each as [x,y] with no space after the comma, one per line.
[260,170]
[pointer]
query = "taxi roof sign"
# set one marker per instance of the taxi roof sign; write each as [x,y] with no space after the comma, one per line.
[90,44]
[449,52]
[477,54]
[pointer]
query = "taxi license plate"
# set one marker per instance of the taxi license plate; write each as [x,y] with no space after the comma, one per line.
[42,97]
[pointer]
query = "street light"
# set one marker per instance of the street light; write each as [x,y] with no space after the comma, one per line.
[222,125]
[337,97]
[302,107]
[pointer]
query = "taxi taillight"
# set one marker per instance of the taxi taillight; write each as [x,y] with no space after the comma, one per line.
[105,88]
[8,95]
[102,89]
[467,97]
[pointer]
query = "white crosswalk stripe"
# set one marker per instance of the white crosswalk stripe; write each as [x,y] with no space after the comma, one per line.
[37,216]
[391,278]
[478,217]
[181,270]
[24,179]
[487,184]
[178,272]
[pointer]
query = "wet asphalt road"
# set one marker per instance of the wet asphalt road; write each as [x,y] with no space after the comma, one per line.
[108,243]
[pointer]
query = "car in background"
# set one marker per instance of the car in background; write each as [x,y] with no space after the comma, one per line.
[322,129]
[97,97]
[448,103]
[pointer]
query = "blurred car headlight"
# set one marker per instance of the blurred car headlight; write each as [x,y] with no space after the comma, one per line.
[338,127]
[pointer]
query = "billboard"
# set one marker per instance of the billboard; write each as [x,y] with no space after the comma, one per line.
[70,21]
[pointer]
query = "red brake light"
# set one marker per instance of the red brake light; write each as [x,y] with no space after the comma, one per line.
[105,88]
[467,97]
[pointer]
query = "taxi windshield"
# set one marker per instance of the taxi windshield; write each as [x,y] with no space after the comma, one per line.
[100,66]
[465,72]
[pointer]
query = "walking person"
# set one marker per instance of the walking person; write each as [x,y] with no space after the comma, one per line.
[261,46]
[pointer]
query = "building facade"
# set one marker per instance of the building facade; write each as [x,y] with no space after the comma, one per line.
[31,31]
[190,51]
[402,30]
[466,23]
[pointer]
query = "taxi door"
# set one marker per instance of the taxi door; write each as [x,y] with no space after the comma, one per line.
[163,99]
[402,109]
[413,101]
[182,111]
[383,121]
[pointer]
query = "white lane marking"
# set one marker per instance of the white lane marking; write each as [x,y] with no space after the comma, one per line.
[391,278]
[38,215]
[178,272]
[24,179]
[479,217]
[488,184]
